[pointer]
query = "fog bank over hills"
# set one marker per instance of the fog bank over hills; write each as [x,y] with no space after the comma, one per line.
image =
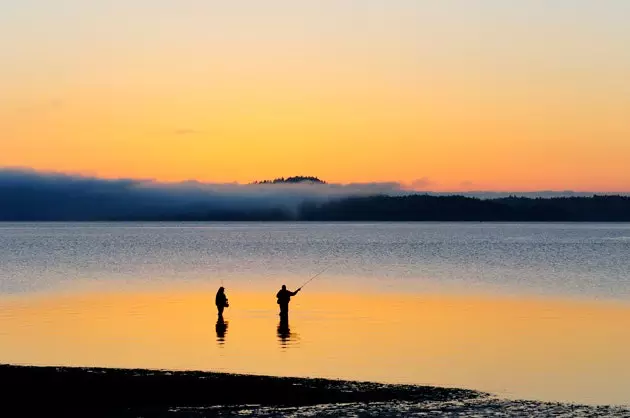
[28,194]
[31,195]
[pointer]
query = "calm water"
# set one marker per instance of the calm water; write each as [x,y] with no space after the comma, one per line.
[523,311]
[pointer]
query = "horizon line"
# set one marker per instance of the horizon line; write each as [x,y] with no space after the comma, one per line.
[400,185]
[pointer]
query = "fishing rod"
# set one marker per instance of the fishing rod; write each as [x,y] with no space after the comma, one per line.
[314,277]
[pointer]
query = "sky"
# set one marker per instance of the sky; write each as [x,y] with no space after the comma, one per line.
[452,95]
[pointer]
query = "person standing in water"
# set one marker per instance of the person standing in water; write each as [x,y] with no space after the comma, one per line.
[284,297]
[221,301]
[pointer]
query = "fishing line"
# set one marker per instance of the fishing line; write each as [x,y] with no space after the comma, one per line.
[314,277]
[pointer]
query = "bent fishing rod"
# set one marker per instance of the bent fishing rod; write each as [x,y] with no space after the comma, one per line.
[313,278]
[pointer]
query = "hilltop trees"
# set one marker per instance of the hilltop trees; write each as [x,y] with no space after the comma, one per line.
[292,180]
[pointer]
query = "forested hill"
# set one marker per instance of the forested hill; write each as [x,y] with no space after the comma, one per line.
[459,208]
[292,180]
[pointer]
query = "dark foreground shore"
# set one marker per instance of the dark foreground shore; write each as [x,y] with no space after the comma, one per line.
[147,393]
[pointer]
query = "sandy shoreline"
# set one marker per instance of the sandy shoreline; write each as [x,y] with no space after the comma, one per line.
[137,392]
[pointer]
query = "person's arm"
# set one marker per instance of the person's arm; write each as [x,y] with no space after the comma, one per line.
[296,292]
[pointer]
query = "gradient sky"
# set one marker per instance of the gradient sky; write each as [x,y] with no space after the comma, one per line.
[448,95]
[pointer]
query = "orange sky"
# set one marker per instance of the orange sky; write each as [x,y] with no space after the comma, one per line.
[466,98]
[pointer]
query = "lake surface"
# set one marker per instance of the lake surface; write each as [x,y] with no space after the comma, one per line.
[533,311]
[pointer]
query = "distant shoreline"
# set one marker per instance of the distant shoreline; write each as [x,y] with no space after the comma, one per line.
[377,208]
[140,392]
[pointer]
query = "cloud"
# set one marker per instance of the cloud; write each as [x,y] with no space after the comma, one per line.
[27,194]
[421,183]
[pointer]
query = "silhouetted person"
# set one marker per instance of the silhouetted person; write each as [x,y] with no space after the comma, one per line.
[284,297]
[221,301]
[221,329]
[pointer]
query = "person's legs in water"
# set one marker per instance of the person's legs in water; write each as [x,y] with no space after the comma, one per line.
[284,309]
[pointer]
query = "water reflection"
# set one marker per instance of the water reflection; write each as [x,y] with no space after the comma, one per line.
[221,328]
[527,348]
[285,336]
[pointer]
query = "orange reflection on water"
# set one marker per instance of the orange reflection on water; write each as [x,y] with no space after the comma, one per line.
[537,349]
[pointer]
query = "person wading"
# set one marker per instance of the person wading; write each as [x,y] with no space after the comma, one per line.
[284,297]
[221,301]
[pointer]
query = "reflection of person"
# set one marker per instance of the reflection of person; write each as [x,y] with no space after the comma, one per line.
[221,329]
[221,301]
[287,337]
[284,297]
[284,333]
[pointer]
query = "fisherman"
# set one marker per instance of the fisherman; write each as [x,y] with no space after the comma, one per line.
[221,301]
[284,297]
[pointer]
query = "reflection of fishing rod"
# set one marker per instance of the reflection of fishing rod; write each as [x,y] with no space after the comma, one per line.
[314,277]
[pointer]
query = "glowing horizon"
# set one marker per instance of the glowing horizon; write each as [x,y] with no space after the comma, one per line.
[442,97]
[364,188]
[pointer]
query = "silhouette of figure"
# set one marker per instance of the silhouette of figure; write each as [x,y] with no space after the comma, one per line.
[221,301]
[284,297]
[221,329]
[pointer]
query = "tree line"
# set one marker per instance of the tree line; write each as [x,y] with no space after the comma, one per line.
[414,207]
[460,208]
[431,208]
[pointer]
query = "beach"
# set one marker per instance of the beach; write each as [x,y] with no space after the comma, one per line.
[148,393]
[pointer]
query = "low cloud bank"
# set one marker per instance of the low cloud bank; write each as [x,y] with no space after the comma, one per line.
[31,195]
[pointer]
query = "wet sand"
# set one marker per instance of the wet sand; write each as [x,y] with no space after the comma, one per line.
[138,392]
